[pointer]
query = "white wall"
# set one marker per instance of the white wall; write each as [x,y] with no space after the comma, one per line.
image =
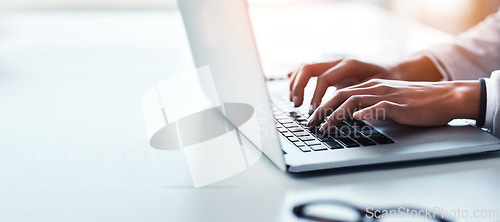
[85,4]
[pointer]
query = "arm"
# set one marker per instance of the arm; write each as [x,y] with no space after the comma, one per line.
[473,54]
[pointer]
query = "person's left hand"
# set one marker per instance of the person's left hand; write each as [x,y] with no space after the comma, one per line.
[409,103]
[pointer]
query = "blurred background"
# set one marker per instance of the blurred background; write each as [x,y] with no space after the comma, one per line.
[451,16]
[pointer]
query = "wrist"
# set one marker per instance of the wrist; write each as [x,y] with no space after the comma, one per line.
[417,68]
[466,99]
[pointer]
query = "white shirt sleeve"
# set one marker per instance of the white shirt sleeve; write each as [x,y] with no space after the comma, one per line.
[473,54]
[491,100]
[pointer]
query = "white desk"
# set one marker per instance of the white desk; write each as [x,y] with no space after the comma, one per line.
[73,145]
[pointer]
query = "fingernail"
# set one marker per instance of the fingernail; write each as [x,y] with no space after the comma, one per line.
[357,115]
[311,109]
[296,101]
[322,129]
[309,123]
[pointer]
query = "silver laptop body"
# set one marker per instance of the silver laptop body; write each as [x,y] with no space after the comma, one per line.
[221,38]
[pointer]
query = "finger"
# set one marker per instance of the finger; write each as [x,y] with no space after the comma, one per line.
[292,78]
[300,82]
[302,78]
[321,88]
[362,89]
[350,72]
[295,73]
[347,109]
[381,110]
[338,99]
[319,92]
[318,68]
[344,74]
[367,84]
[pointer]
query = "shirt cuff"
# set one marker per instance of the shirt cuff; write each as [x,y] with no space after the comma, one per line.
[491,100]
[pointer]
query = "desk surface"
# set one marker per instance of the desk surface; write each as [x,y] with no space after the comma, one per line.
[73,144]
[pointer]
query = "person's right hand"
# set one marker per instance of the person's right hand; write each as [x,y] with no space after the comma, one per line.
[348,72]
[340,73]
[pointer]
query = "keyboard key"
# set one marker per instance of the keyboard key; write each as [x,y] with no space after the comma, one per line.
[305,148]
[333,144]
[365,141]
[358,127]
[354,134]
[282,130]
[319,147]
[302,118]
[299,118]
[353,122]
[339,134]
[301,134]
[305,112]
[306,138]
[336,133]
[294,114]
[303,123]
[293,139]
[299,143]
[366,126]
[285,120]
[348,142]
[344,128]
[289,125]
[381,139]
[324,138]
[358,124]
[288,134]
[369,132]
[314,131]
[312,142]
[349,121]
[296,129]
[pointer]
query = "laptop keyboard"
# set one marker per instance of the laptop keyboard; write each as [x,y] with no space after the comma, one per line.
[292,124]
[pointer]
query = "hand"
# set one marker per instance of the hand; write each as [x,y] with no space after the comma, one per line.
[337,73]
[409,103]
[345,72]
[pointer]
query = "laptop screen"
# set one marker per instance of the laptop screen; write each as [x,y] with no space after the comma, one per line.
[221,39]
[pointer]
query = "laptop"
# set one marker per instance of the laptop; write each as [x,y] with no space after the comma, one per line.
[221,37]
